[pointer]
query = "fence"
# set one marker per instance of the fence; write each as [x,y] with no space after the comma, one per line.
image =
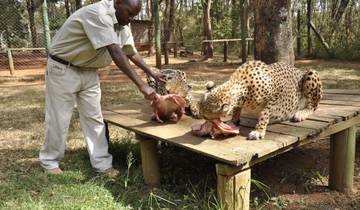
[26,28]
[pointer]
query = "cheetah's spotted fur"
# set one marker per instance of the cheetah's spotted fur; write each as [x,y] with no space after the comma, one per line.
[176,83]
[275,92]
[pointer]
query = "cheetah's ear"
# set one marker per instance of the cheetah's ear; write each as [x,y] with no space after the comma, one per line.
[210,85]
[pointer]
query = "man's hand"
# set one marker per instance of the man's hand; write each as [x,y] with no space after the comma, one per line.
[149,93]
[158,76]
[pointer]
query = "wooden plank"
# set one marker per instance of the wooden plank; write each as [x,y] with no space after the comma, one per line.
[342,160]
[226,40]
[338,97]
[242,186]
[335,128]
[225,191]
[179,135]
[344,103]
[298,132]
[317,125]
[326,119]
[338,110]
[235,150]
[331,130]
[234,190]
[149,161]
[270,143]
[342,91]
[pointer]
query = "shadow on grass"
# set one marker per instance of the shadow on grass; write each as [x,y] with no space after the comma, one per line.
[188,179]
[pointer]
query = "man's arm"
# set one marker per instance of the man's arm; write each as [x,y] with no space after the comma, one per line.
[137,60]
[122,62]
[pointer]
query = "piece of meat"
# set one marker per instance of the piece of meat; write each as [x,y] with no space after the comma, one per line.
[214,128]
[169,107]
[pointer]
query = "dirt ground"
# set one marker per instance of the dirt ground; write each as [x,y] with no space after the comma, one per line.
[298,179]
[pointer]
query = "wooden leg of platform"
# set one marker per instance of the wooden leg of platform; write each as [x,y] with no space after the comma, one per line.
[149,161]
[107,135]
[342,160]
[233,190]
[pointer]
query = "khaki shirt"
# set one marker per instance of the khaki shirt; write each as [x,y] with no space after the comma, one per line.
[83,38]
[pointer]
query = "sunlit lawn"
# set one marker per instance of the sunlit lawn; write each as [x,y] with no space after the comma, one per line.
[23,185]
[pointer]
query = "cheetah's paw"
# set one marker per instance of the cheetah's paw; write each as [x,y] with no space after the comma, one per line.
[256,135]
[301,115]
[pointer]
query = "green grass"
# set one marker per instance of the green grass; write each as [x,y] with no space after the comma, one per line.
[23,185]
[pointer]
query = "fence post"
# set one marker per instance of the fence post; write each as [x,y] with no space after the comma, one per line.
[175,49]
[298,33]
[157,33]
[11,62]
[225,51]
[46,26]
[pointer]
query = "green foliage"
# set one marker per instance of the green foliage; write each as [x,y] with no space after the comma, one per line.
[341,35]
[222,29]
[13,27]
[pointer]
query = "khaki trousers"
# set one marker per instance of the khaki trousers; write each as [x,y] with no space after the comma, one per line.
[65,87]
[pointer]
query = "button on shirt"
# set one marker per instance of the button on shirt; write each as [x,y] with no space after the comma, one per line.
[83,37]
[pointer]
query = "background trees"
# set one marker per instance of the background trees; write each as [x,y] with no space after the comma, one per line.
[191,21]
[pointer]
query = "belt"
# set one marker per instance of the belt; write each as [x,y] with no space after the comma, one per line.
[61,61]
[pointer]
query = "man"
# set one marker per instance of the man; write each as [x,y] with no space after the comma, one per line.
[90,38]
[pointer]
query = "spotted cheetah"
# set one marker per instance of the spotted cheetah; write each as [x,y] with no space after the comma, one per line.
[176,83]
[272,93]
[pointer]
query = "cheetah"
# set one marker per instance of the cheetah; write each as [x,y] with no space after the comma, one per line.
[272,93]
[176,83]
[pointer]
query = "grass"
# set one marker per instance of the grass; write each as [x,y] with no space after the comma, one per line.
[23,185]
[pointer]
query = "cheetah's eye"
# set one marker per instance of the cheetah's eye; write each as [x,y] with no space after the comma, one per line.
[210,85]
[225,107]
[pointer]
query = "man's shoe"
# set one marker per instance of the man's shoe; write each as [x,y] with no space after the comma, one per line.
[110,172]
[54,171]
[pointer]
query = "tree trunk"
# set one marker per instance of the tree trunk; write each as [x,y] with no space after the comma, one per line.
[337,15]
[67,7]
[235,8]
[78,4]
[273,34]
[179,23]
[207,46]
[245,24]
[157,27]
[309,42]
[151,31]
[31,11]
[166,31]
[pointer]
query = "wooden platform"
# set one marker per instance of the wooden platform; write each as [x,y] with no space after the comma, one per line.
[338,113]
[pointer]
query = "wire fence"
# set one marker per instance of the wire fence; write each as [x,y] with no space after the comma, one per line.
[25,25]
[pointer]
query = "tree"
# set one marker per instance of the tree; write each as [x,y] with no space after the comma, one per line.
[31,6]
[273,33]
[208,47]
[78,4]
[67,7]
[337,13]
[10,22]
[245,27]
[168,25]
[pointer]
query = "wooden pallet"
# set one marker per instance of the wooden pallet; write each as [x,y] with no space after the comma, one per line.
[337,115]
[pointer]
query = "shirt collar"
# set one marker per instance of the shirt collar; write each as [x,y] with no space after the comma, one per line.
[111,10]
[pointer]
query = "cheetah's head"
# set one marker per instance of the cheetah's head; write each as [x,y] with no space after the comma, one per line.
[215,102]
